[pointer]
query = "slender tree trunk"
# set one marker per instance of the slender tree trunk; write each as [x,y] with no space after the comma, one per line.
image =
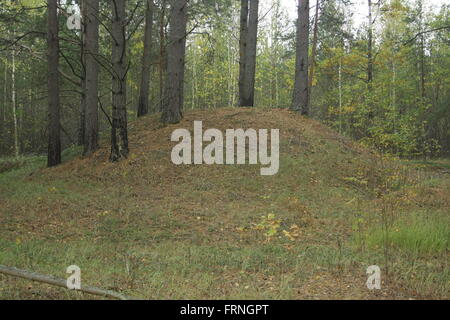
[119,130]
[82,119]
[3,116]
[250,65]
[422,50]
[314,47]
[274,53]
[370,47]
[340,94]
[194,75]
[5,89]
[300,101]
[162,54]
[173,104]
[230,77]
[422,66]
[145,76]
[13,101]
[91,90]
[243,49]
[394,95]
[54,132]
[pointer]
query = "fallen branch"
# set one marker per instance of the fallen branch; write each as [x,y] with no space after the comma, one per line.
[58,282]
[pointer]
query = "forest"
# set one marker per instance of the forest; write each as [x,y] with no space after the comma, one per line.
[90,91]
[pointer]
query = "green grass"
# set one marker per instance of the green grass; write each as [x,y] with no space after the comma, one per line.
[415,234]
[177,270]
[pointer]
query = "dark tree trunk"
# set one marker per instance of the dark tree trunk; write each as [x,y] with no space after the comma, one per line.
[82,119]
[54,133]
[174,97]
[145,76]
[91,90]
[370,48]
[248,96]
[300,101]
[243,49]
[3,122]
[422,66]
[314,47]
[162,54]
[119,130]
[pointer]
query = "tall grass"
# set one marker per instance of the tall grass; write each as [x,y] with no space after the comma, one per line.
[414,234]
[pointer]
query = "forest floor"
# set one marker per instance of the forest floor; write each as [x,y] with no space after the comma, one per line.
[150,229]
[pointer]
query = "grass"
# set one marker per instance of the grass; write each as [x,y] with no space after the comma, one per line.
[415,234]
[150,229]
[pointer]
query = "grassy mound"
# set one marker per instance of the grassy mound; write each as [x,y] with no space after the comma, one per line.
[152,229]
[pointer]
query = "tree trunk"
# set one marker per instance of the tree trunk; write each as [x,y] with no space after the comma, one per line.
[145,76]
[194,75]
[119,130]
[422,50]
[54,135]
[340,94]
[5,89]
[370,48]
[173,97]
[3,115]
[422,66]
[300,100]
[162,54]
[13,101]
[250,64]
[274,53]
[91,90]
[243,49]
[82,119]
[314,48]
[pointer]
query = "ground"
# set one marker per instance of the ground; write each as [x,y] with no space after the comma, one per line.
[150,229]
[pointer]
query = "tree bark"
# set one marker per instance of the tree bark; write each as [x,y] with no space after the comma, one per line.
[13,101]
[370,48]
[340,94]
[82,119]
[174,97]
[119,130]
[3,113]
[91,89]
[145,76]
[248,98]
[5,88]
[422,66]
[162,54]
[243,49]
[314,47]
[54,132]
[422,51]
[300,100]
